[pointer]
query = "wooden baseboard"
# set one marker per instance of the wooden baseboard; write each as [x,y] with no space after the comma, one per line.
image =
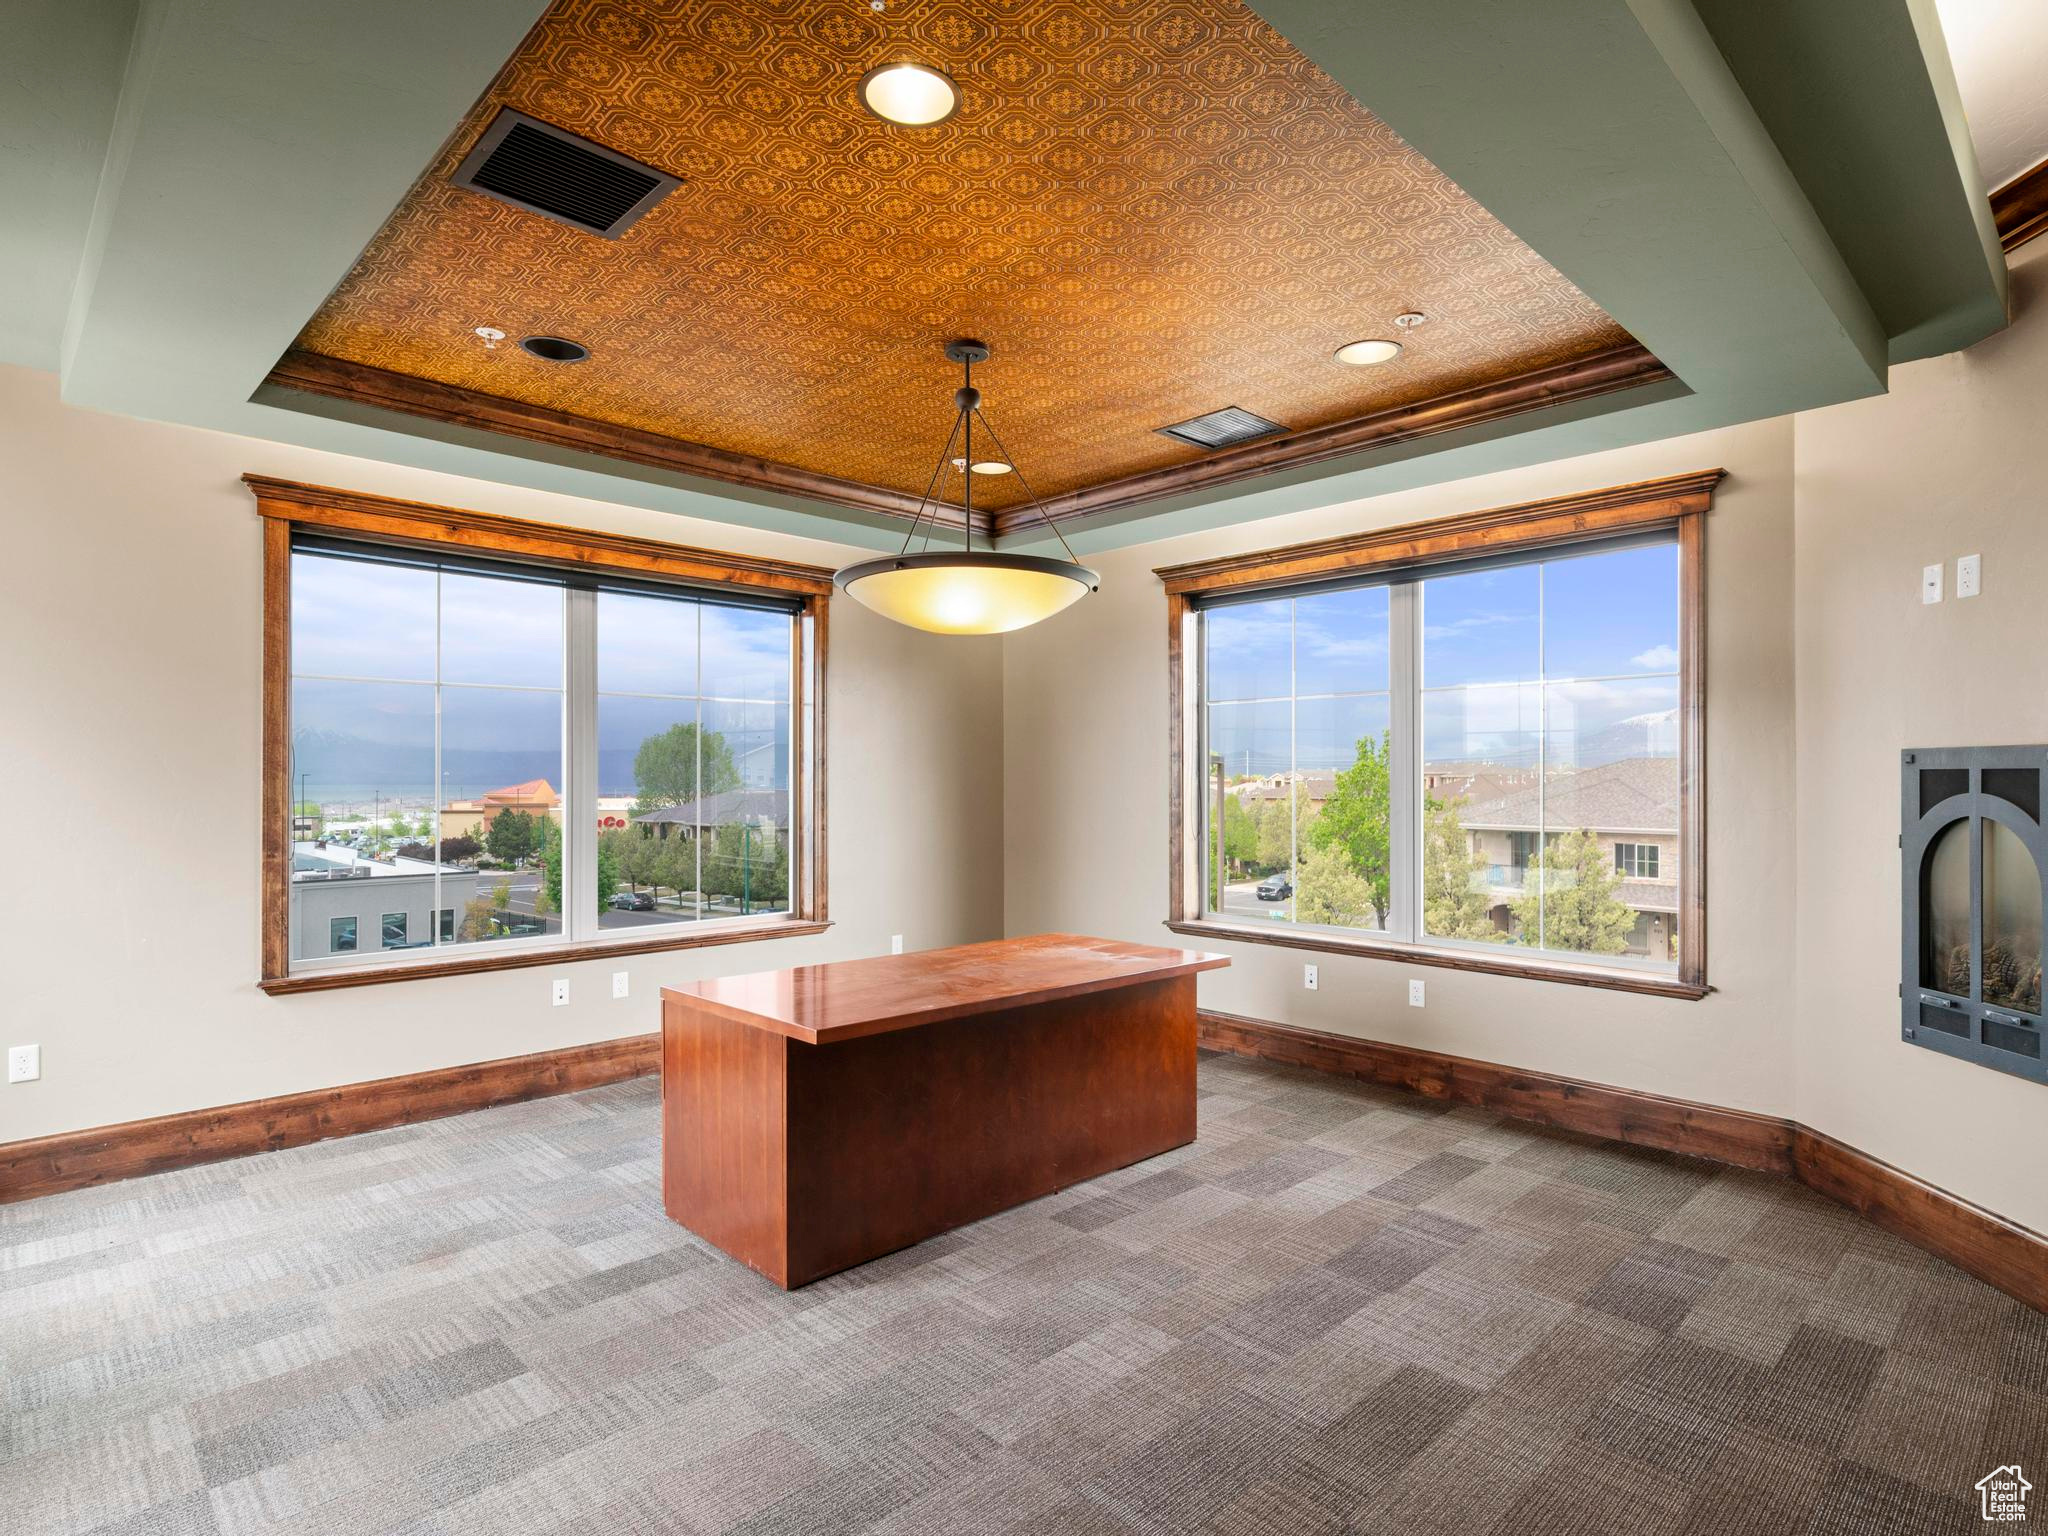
[1999,1252]
[1642,1119]
[1980,1242]
[76,1159]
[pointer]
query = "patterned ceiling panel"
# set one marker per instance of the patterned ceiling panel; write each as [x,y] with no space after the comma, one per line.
[1149,208]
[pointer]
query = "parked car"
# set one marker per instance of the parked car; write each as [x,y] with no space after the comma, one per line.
[633,901]
[1275,888]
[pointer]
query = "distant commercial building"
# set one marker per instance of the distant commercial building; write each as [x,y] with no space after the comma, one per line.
[344,903]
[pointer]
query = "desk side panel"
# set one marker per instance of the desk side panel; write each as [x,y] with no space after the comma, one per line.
[723,1159]
[896,1137]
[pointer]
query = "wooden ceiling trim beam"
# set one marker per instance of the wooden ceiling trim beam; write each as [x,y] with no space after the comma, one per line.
[361,384]
[1600,374]
[2020,207]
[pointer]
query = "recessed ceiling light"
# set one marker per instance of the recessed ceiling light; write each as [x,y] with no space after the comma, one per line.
[985,466]
[1360,354]
[555,349]
[914,95]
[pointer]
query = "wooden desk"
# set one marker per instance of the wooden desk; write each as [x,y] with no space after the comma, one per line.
[816,1118]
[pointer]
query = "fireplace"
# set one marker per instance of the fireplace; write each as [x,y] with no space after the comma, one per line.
[1973,856]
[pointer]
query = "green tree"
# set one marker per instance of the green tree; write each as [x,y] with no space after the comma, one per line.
[1355,820]
[1276,845]
[1329,891]
[1455,904]
[479,920]
[549,898]
[607,872]
[745,862]
[1574,899]
[501,895]
[511,836]
[675,864]
[669,769]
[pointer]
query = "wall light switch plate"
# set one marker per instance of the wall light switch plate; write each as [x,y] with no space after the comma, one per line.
[619,984]
[1308,977]
[1969,576]
[895,943]
[1414,994]
[24,1063]
[1930,584]
[561,992]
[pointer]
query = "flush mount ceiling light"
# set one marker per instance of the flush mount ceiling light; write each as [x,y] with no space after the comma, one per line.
[968,591]
[555,349]
[985,467]
[908,93]
[1363,354]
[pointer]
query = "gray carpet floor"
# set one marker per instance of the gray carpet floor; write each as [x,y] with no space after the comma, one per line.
[1341,1309]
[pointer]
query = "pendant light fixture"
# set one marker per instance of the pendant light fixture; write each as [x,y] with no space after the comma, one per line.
[968,591]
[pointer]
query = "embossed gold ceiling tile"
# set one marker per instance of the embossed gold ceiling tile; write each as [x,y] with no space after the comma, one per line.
[1151,208]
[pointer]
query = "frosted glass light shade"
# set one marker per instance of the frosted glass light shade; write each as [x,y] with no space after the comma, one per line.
[957,593]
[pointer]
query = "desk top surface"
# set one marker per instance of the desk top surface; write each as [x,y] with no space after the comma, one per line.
[846,999]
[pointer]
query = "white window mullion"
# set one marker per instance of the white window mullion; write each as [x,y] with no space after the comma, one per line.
[579,799]
[1404,767]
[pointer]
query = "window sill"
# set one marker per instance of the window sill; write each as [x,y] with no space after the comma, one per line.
[564,954]
[1601,977]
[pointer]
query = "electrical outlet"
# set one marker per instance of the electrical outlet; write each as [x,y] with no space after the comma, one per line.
[24,1063]
[1969,576]
[561,991]
[1930,584]
[895,943]
[1308,977]
[1414,994]
[619,985]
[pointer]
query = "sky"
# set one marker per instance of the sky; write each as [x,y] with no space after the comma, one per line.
[1576,656]
[365,689]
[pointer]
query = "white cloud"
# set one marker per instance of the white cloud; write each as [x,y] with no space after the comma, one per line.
[1658,658]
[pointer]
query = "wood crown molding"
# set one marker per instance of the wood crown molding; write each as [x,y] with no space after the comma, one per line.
[1582,379]
[2020,207]
[361,384]
[1999,1252]
[1529,524]
[424,524]
[48,1165]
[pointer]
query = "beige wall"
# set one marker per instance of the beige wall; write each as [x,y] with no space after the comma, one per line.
[130,630]
[1086,776]
[1815,546]
[1947,464]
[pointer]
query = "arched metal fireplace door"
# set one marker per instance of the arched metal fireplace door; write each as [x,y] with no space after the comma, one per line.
[1974,866]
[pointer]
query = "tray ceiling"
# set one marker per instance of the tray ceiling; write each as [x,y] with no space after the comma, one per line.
[1150,208]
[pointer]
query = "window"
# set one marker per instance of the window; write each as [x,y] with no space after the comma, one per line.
[1474,742]
[501,739]
[1636,861]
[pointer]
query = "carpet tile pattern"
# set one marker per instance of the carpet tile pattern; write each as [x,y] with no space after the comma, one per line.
[1341,1310]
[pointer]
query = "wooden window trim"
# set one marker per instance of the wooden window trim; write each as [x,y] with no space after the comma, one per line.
[1678,502]
[286,505]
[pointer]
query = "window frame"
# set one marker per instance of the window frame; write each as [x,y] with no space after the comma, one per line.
[1677,503]
[289,507]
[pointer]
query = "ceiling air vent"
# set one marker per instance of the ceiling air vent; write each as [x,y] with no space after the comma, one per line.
[1223,429]
[538,167]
